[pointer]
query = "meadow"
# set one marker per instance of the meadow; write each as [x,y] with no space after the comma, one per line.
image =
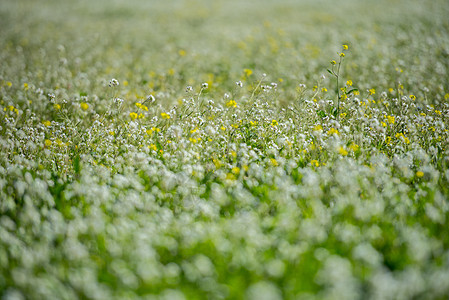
[193,149]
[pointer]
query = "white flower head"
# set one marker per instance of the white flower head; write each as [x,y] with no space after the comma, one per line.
[113,82]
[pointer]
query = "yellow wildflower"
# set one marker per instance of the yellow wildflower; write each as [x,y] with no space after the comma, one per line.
[231,103]
[342,151]
[84,106]
[318,127]
[354,147]
[390,119]
[247,72]
[332,131]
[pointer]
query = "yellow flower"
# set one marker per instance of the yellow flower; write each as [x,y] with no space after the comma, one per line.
[9,83]
[274,162]
[333,62]
[84,106]
[274,123]
[57,106]
[349,83]
[342,151]
[332,131]
[152,147]
[46,123]
[165,116]
[236,170]
[324,90]
[182,52]
[420,174]
[25,86]
[342,54]
[230,176]
[133,115]
[413,97]
[318,128]
[231,103]
[315,163]
[47,143]
[345,47]
[390,119]
[372,91]
[247,72]
[354,147]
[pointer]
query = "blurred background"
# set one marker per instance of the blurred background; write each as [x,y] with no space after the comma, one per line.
[197,41]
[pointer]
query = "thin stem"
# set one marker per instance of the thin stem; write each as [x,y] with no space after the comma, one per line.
[254,91]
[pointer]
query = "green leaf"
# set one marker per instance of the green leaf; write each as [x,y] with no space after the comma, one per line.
[321,113]
[331,72]
[335,112]
[350,91]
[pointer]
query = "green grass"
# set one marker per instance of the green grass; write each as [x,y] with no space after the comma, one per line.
[201,150]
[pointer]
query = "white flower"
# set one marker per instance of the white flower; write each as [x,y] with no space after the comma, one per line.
[113,82]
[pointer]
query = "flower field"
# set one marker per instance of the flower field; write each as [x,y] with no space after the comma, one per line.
[193,149]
